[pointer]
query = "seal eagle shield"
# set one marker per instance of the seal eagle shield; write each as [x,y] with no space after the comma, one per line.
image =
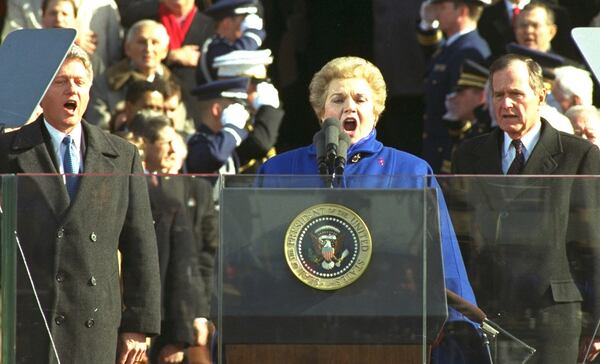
[328,246]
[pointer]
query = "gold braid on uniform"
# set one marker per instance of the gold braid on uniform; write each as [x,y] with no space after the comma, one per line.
[429,37]
[271,153]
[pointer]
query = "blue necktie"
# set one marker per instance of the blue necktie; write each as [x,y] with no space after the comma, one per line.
[69,159]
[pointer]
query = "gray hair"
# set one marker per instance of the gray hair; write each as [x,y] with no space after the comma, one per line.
[152,24]
[573,81]
[589,111]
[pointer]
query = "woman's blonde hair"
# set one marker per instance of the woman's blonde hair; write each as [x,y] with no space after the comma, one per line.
[343,68]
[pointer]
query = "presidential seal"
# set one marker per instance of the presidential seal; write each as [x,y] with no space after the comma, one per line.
[328,246]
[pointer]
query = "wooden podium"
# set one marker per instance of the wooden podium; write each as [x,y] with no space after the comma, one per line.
[301,354]
[266,314]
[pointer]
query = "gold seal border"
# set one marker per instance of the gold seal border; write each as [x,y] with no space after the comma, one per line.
[364,252]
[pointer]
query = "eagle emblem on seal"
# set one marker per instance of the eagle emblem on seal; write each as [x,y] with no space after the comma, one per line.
[327,249]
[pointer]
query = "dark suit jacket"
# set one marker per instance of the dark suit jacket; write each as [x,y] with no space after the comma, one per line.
[176,256]
[526,223]
[196,194]
[72,248]
[537,238]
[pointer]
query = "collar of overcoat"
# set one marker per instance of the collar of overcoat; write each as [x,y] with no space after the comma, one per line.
[35,156]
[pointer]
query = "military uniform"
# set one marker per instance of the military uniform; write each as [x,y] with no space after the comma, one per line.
[216,46]
[442,75]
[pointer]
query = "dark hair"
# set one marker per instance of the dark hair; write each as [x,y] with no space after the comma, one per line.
[137,89]
[171,88]
[536,78]
[148,125]
[45,4]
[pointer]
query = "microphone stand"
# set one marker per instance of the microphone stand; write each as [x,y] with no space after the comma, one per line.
[488,327]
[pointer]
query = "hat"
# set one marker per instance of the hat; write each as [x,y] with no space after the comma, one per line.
[225,8]
[472,74]
[244,64]
[547,60]
[476,2]
[232,88]
[544,59]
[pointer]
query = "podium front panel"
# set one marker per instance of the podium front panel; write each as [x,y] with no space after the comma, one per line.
[261,300]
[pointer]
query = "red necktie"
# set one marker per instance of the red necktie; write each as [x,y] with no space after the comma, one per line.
[515,12]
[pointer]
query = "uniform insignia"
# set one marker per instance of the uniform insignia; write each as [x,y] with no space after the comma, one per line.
[439,67]
[356,158]
[328,246]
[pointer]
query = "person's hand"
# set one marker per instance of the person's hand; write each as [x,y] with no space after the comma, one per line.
[451,107]
[171,353]
[594,350]
[266,94]
[428,15]
[236,115]
[188,55]
[87,41]
[251,21]
[201,331]
[131,348]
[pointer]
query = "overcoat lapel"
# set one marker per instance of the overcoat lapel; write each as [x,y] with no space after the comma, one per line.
[98,166]
[489,161]
[541,162]
[542,159]
[36,159]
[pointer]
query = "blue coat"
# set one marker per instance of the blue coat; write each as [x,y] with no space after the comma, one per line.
[369,157]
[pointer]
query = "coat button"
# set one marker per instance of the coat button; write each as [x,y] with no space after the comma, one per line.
[59,319]
[92,281]
[89,323]
[60,277]
[93,237]
[60,233]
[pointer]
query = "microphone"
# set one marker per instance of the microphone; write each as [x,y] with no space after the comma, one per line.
[488,326]
[465,307]
[340,160]
[319,142]
[332,127]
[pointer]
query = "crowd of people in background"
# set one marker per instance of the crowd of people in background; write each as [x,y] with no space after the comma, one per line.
[220,86]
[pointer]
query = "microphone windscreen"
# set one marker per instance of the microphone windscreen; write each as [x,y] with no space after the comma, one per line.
[319,142]
[332,128]
[331,122]
[344,144]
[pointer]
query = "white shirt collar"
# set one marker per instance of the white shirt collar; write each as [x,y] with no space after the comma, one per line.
[57,137]
[455,36]
[529,141]
[509,6]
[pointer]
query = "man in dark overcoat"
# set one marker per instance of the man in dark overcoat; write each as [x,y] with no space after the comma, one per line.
[528,225]
[71,229]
